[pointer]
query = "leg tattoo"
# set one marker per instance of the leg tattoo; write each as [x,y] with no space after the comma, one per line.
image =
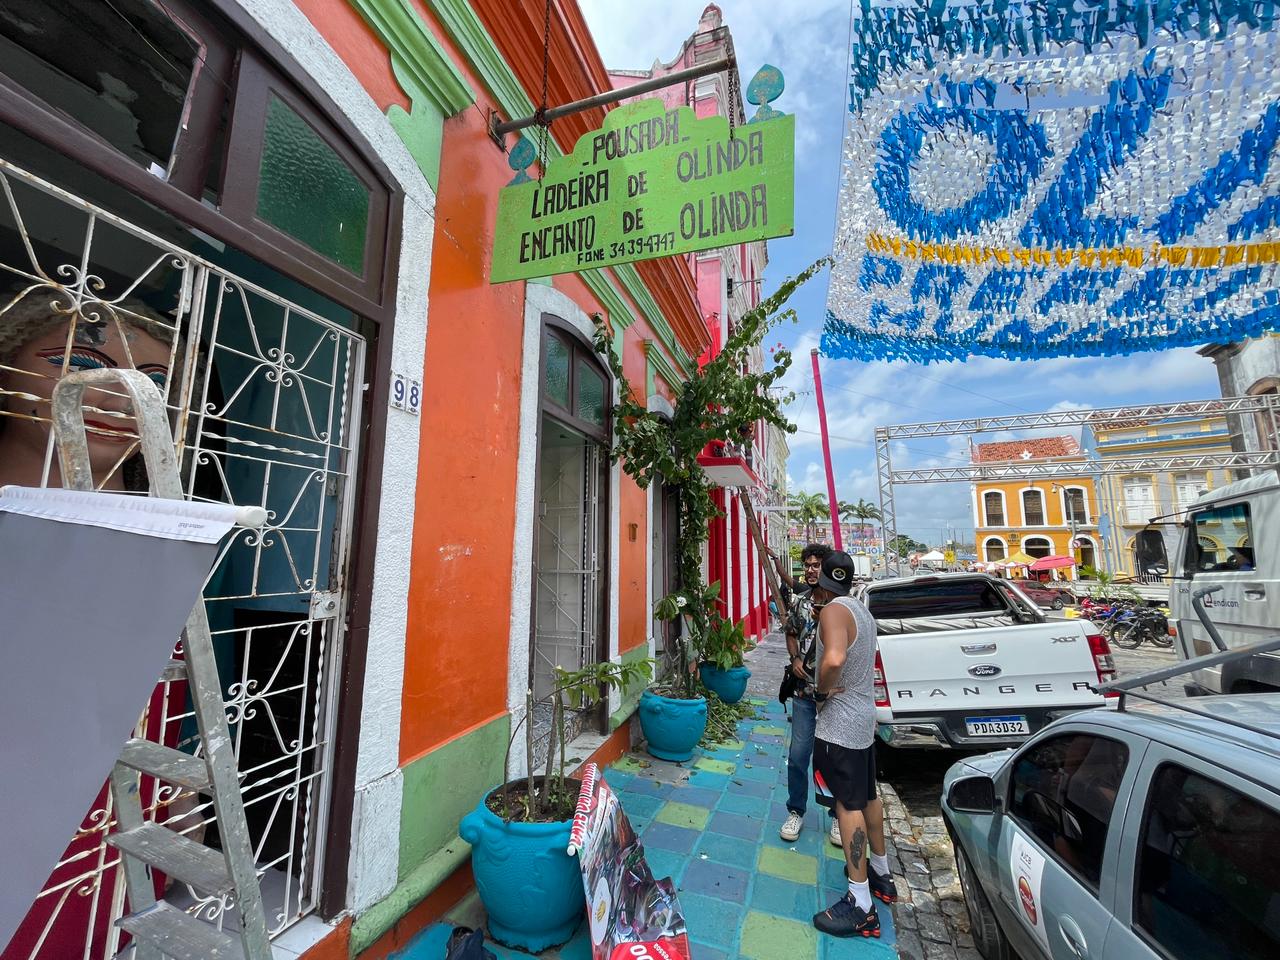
[856,846]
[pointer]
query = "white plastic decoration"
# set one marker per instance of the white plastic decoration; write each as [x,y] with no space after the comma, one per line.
[1057,178]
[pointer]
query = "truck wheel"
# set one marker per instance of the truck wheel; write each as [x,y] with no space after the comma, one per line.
[983,925]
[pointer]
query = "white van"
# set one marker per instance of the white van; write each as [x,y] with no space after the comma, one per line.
[1230,541]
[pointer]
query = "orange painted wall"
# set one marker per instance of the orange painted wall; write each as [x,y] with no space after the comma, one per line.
[460,587]
[360,49]
[459,592]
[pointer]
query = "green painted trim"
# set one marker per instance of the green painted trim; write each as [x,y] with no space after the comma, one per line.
[631,695]
[443,786]
[609,298]
[462,24]
[422,127]
[634,286]
[434,75]
[619,341]
[659,364]
[408,893]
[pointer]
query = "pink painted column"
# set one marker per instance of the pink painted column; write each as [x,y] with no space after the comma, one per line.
[826,454]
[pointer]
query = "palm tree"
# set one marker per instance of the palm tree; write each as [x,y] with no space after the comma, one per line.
[809,508]
[861,511]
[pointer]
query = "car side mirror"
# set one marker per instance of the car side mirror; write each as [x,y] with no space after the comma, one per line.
[973,795]
[1149,547]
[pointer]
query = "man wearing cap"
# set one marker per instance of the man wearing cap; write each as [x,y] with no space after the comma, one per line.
[844,761]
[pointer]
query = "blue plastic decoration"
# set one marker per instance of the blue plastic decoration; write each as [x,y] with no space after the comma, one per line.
[1055,178]
[522,155]
[765,87]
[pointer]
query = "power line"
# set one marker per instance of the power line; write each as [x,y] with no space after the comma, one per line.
[974,393]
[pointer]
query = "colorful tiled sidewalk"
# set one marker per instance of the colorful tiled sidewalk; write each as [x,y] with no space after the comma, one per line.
[712,825]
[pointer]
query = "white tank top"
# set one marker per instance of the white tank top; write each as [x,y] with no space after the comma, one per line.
[849,718]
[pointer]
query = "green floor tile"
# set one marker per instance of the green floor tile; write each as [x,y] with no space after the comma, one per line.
[834,852]
[774,938]
[715,766]
[727,745]
[799,867]
[632,764]
[684,815]
[768,731]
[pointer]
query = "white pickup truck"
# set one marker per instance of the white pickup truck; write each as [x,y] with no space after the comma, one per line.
[965,660]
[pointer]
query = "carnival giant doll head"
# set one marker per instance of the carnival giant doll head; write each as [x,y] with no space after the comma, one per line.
[43,337]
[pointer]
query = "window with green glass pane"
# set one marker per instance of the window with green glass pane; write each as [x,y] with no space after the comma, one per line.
[591,401]
[309,192]
[556,372]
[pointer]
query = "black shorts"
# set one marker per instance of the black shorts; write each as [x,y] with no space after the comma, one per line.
[843,774]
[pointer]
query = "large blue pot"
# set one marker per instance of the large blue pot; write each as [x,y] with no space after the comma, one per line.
[672,727]
[729,685]
[531,888]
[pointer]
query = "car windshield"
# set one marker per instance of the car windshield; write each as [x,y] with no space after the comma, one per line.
[930,597]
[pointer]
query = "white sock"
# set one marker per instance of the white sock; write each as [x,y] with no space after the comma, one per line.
[880,863]
[861,894]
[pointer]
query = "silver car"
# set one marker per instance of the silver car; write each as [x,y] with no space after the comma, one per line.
[1151,833]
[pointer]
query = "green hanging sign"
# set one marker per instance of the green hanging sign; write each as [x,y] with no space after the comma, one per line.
[651,182]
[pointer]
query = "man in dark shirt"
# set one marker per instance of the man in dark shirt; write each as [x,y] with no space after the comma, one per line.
[799,627]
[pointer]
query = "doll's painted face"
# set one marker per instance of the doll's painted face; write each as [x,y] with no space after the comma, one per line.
[46,359]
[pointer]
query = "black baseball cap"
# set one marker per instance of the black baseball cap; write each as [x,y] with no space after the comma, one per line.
[837,573]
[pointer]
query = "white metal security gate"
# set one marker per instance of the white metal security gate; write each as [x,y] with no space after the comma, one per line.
[567,612]
[265,401]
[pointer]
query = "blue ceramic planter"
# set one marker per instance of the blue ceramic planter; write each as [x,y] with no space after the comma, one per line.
[531,888]
[672,727]
[729,685]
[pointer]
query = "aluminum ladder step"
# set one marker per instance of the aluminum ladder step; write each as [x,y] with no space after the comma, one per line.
[165,763]
[179,857]
[179,935]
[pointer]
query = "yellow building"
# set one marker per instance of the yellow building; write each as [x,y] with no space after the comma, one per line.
[1040,518]
[1129,501]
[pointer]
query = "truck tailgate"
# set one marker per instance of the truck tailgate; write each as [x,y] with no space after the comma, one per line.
[1030,665]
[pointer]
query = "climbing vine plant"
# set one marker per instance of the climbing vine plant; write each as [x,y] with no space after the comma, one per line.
[718,404]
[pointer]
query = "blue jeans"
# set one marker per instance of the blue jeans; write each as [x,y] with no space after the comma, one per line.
[804,718]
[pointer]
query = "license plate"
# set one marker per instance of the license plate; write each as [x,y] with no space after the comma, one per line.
[997,726]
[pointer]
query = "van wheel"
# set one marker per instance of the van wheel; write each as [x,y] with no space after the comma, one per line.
[985,929]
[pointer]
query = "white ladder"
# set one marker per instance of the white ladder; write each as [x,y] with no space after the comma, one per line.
[158,928]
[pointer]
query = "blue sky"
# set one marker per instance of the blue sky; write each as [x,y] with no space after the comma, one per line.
[807,40]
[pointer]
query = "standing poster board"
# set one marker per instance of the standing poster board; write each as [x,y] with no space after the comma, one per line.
[632,915]
[94,591]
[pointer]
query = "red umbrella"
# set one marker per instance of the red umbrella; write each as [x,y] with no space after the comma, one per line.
[1053,563]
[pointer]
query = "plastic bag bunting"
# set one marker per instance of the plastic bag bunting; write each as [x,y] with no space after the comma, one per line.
[1045,179]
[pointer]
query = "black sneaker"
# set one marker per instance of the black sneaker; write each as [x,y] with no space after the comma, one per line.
[844,918]
[881,884]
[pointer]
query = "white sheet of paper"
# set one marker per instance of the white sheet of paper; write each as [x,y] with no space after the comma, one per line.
[95,589]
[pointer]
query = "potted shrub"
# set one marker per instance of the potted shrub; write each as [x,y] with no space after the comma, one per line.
[519,832]
[720,661]
[673,714]
[719,404]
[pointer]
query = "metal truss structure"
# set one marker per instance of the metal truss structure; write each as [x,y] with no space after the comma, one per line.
[1265,406]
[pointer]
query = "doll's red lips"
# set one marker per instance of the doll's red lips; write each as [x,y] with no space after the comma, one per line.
[121,433]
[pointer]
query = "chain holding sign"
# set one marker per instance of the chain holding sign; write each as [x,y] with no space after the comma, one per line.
[651,182]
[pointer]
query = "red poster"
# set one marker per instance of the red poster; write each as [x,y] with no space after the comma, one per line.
[632,915]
